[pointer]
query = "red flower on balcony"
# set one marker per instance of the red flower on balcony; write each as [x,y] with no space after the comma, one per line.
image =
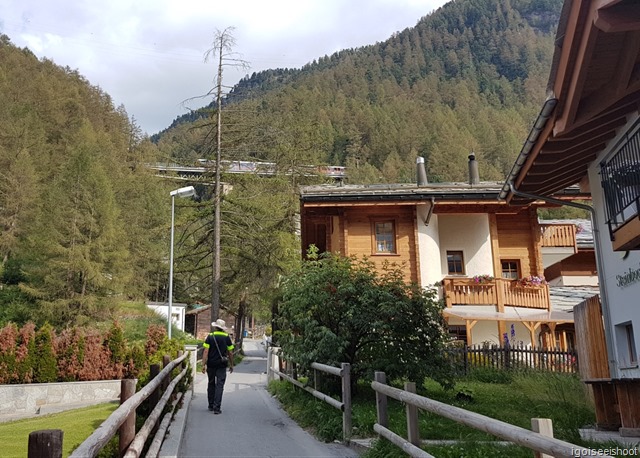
[485,278]
[532,281]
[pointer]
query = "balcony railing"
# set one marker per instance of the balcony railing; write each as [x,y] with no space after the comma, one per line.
[500,292]
[558,235]
[620,176]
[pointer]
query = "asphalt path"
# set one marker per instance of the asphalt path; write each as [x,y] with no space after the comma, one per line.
[252,423]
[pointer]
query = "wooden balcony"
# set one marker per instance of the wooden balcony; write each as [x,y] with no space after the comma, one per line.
[559,235]
[501,292]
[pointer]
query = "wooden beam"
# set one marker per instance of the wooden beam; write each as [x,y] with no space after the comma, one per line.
[618,88]
[551,184]
[619,18]
[578,75]
[556,146]
[416,246]
[470,324]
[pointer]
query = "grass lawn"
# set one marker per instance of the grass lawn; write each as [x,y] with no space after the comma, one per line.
[512,398]
[76,425]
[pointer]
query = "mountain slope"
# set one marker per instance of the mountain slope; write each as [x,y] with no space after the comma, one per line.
[469,76]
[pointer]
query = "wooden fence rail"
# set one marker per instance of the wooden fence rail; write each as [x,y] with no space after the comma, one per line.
[131,444]
[465,359]
[344,372]
[520,436]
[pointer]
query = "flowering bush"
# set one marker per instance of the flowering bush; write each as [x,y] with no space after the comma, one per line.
[532,280]
[28,355]
[482,278]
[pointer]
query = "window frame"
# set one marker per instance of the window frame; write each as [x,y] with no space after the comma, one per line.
[374,236]
[517,272]
[462,264]
[631,345]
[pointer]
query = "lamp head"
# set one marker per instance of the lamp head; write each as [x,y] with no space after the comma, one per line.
[187,191]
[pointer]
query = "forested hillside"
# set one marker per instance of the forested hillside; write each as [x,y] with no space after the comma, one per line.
[81,220]
[84,224]
[469,76]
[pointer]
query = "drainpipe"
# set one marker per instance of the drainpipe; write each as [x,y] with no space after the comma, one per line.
[604,297]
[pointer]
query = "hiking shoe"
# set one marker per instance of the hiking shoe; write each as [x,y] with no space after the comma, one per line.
[217,411]
[211,408]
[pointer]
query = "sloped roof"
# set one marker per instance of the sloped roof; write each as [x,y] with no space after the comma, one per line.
[594,87]
[485,191]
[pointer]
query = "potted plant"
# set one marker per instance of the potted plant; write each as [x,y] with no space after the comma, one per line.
[485,278]
[532,281]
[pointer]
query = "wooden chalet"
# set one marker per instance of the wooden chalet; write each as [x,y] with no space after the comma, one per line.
[459,236]
[588,133]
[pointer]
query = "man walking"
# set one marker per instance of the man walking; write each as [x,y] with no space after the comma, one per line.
[217,355]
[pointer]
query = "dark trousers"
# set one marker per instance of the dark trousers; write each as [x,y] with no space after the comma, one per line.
[217,377]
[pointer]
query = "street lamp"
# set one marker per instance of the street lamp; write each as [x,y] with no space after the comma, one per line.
[187,191]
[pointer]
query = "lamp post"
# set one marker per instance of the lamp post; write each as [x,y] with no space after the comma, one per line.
[187,191]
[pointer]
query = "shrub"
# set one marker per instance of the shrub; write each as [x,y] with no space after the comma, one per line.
[69,346]
[337,309]
[27,355]
[8,359]
[44,359]
[155,336]
[25,350]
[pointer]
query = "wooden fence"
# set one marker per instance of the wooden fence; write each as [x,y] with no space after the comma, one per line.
[541,442]
[465,359]
[159,390]
[344,372]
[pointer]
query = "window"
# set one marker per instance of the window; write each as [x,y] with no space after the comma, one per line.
[631,345]
[627,355]
[385,237]
[458,332]
[455,262]
[511,269]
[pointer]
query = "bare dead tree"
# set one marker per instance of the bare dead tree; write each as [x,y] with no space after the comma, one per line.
[222,50]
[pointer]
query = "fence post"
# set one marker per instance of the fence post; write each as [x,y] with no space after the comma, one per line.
[127,430]
[45,443]
[543,426]
[381,400]
[269,364]
[412,416]
[166,359]
[507,355]
[193,358]
[465,359]
[154,370]
[346,401]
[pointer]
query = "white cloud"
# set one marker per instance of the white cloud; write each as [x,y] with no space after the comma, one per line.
[148,54]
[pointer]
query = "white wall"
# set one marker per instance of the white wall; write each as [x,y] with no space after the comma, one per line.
[470,234]
[575,280]
[624,301]
[429,246]
[178,312]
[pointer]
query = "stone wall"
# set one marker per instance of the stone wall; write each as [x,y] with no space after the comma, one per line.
[40,398]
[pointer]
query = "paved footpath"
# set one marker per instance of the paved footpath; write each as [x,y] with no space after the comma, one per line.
[251,424]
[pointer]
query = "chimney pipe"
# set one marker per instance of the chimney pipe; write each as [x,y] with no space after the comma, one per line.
[421,172]
[474,175]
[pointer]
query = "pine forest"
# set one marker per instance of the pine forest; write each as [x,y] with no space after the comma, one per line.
[85,223]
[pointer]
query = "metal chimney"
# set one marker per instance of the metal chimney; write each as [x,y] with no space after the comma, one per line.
[421,172]
[474,175]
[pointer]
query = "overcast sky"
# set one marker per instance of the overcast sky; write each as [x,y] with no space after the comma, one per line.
[149,54]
